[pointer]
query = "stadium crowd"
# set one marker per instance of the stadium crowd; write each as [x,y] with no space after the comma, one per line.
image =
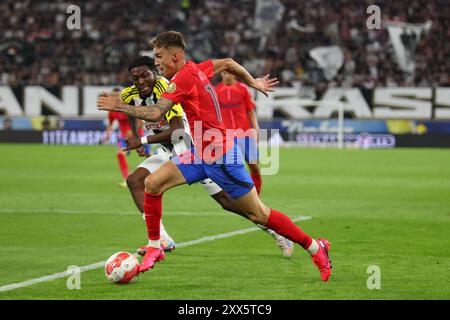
[36,47]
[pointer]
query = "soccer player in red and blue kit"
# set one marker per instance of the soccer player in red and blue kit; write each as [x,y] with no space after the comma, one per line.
[214,154]
[238,113]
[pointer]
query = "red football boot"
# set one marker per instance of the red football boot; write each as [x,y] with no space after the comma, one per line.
[142,250]
[152,255]
[322,260]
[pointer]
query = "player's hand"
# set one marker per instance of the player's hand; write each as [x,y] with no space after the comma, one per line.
[109,103]
[133,143]
[104,94]
[266,84]
[141,151]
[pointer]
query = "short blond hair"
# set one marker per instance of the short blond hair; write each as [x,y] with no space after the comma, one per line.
[168,39]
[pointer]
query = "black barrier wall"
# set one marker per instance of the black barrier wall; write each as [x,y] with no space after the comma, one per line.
[80,137]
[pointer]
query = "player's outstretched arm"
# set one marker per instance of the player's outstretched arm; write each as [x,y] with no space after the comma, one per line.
[152,113]
[264,85]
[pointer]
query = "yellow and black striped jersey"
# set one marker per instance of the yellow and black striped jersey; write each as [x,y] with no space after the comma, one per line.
[130,95]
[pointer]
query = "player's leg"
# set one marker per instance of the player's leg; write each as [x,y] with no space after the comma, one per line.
[122,160]
[163,179]
[135,182]
[221,197]
[227,203]
[249,148]
[255,173]
[235,180]
[252,158]
[167,176]
[136,185]
[282,224]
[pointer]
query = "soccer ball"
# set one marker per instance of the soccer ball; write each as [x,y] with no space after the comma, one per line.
[122,267]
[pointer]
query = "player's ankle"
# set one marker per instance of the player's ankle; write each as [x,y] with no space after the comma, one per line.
[313,247]
[154,243]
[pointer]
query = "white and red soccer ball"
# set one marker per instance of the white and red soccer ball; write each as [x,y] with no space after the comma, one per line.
[122,267]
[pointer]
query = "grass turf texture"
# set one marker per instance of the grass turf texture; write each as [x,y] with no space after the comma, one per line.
[61,206]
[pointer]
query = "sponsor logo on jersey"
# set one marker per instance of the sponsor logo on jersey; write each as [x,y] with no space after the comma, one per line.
[171,88]
[156,125]
[202,76]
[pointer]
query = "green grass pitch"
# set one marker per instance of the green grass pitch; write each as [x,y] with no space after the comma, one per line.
[61,206]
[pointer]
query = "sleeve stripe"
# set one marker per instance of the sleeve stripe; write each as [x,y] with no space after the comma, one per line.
[156,93]
[128,91]
[128,95]
[176,111]
[156,89]
[160,87]
[125,97]
[131,90]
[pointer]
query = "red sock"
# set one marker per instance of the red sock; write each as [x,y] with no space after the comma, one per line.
[123,164]
[256,177]
[153,213]
[284,226]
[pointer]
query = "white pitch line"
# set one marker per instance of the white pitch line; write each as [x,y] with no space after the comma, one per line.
[101,264]
[62,211]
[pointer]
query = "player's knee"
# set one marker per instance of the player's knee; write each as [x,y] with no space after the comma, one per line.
[152,185]
[259,215]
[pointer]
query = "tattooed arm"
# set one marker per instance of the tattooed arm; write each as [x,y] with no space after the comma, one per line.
[152,113]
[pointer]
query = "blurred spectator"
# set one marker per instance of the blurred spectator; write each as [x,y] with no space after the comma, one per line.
[37,48]
[59,124]
[46,124]
[7,122]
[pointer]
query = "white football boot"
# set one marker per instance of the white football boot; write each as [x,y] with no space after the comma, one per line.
[286,246]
